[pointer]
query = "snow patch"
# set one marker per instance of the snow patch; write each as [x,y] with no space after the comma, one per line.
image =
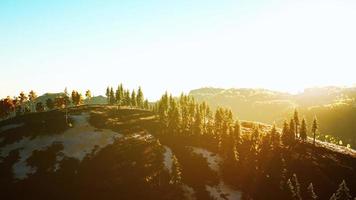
[168,159]
[10,126]
[77,143]
[213,160]
[334,147]
[141,136]
[189,192]
[223,192]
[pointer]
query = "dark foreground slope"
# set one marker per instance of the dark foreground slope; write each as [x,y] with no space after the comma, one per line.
[111,153]
[81,162]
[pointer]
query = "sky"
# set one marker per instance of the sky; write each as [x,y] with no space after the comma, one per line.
[176,46]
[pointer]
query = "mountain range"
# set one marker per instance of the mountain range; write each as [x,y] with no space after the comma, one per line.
[334,107]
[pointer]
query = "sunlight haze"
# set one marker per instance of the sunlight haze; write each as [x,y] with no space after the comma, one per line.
[178,100]
[176,46]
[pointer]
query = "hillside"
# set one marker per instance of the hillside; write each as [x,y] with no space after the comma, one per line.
[111,153]
[335,107]
[93,100]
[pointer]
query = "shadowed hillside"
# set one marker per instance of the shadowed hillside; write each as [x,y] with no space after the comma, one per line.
[113,153]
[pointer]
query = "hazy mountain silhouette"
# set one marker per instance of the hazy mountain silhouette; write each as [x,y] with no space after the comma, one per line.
[335,107]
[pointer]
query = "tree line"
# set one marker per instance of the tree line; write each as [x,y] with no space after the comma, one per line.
[123,97]
[296,193]
[298,131]
[185,116]
[27,103]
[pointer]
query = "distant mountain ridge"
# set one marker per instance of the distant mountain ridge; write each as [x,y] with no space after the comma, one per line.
[335,107]
[309,97]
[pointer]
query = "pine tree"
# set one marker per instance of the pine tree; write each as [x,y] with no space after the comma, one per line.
[303,130]
[176,172]
[208,117]
[32,96]
[197,124]
[74,97]
[255,139]
[255,136]
[79,99]
[87,96]
[183,103]
[133,98]
[140,98]
[127,99]
[343,192]
[224,138]
[333,197]
[7,106]
[210,128]
[291,190]
[265,144]
[314,129]
[146,105]
[108,94]
[22,97]
[294,187]
[163,105]
[204,109]
[296,121]
[66,103]
[292,131]
[119,95]
[14,105]
[22,100]
[191,112]
[229,117]
[275,137]
[220,128]
[173,115]
[112,96]
[121,89]
[237,133]
[218,120]
[311,193]
[231,154]
[285,133]
[282,183]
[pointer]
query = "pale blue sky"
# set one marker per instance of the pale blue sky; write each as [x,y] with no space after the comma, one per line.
[176,45]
